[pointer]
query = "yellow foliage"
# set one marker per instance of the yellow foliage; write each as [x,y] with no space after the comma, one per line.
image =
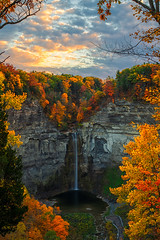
[19,234]
[141,189]
[13,101]
[1,81]
[66,84]
[13,139]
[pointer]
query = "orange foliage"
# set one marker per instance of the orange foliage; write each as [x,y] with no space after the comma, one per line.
[73,79]
[53,112]
[42,218]
[152,91]
[142,184]
[89,83]
[58,112]
[138,90]
[34,234]
[80,115]
[37,82]
[44,102]
[12,80]
[38,220]
[64,98]
[108,88]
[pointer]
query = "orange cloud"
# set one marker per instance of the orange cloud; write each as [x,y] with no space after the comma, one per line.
[59,11]
[45,16]
[21,57]
[55,17]
[3,44]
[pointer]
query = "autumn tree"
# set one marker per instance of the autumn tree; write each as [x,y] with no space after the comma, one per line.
[138,82]
[11,187]
[141,189]
[9,83]
[39,222]
[109,89]
[152,93]
[145,11]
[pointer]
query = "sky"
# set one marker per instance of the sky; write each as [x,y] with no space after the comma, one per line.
[61,38]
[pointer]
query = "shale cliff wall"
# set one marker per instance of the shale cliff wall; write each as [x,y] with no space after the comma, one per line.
[47,153]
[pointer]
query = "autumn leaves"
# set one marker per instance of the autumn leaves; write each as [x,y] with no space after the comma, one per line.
[39,222]
[141,190]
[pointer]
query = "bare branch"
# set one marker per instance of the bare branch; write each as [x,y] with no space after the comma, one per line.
[157,5]
[5,58]
[152,5]
[128,49]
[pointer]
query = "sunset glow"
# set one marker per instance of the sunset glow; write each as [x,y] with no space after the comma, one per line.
[62,38]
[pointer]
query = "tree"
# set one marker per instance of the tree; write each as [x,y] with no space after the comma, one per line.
[11,187]
[9,79]
[140,82]
[147,12]
[109,88]
[40,222]
[142,187]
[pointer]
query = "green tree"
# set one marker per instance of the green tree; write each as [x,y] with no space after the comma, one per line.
[11,187]
[51,235]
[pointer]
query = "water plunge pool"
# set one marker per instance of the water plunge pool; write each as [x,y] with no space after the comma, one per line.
[80,201]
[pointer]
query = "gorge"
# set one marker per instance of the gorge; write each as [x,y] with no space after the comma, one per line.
[48,153]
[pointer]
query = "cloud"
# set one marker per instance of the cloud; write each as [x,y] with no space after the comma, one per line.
[61,37]
[3,44]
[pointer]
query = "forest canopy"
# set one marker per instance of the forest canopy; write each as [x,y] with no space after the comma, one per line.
[68,100]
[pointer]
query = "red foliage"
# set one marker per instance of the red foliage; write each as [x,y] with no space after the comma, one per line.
[108,88]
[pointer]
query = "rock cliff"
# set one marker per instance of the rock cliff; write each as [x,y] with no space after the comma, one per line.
[47,153]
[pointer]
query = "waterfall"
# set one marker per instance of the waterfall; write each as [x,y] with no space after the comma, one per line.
[75,147]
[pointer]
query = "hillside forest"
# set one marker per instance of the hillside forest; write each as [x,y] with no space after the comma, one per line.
[69,100]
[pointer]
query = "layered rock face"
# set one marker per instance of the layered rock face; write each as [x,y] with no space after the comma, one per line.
[44,147]
[105,134]
[108,130]
[48,154]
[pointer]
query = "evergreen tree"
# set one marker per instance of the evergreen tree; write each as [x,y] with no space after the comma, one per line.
[11,187]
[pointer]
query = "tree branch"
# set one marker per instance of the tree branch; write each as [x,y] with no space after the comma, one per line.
[5,58]
[152,5]
[142,4]
[21,9]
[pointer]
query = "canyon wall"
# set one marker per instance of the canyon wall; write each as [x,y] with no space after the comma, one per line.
[47,153]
